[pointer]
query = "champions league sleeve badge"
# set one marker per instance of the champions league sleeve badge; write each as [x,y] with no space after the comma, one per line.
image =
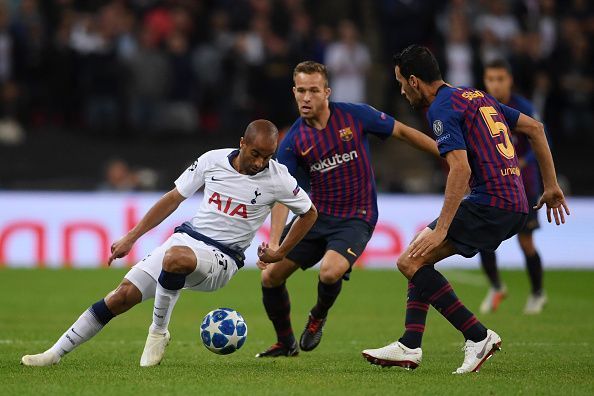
[437,127]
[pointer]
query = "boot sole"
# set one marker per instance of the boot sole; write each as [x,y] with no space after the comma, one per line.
[406,364]
[494,348]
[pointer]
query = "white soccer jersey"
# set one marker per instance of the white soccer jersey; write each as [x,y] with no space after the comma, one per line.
[235,205]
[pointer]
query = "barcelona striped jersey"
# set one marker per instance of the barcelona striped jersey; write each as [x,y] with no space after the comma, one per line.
[336,159]
[471,120]
[530,171]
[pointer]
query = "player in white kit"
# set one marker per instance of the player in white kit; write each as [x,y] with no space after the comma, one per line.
[240,188]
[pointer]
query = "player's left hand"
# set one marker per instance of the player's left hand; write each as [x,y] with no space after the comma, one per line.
[266,255]
[425,243]
[555,201]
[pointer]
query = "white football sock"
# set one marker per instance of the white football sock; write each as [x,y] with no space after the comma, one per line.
[164,302]
[85,327]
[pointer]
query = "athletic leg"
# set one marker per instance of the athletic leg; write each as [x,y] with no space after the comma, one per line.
[406,352]
[434,287]
[481,343]
[436,290]
[537,298]
[178,263]
[89,323]
[333,267]
[346,240]
[489,264]
[275,295]
[497,292]
[277,304]
[533,262]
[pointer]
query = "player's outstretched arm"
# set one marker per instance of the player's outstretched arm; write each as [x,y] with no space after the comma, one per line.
[298,229]
[156,214]
[456,186]
[415,138]
[553,195]
[278,220]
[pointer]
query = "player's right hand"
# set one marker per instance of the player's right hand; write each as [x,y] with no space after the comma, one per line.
[120,248]
[267,255]
[554,199]
[261,264]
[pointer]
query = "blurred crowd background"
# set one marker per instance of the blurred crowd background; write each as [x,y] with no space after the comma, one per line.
[122,94]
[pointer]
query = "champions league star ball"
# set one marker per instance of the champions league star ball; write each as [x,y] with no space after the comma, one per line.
[223,331]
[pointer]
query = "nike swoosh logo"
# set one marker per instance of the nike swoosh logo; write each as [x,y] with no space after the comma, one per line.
[350,251]
[160,308]
[482,352]
[329,168]
[72,329]
[304,153]
[213,179]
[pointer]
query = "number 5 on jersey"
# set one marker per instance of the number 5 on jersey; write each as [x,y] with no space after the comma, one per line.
[496,128]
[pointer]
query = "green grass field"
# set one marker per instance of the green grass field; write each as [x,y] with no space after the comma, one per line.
[549,354]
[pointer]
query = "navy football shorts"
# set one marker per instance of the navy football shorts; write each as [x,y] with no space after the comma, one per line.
[348,237]
[480,227]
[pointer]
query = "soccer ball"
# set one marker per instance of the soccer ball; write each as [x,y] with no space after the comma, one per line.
[223,331]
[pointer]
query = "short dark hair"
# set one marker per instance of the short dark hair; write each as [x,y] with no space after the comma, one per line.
[418,61]
[499,64]
[311,67]
[260,127]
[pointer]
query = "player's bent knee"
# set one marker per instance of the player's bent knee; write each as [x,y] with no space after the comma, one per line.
[402,263]
[270,278]
[179,259]
[124,297]
[406,265]
[330,276]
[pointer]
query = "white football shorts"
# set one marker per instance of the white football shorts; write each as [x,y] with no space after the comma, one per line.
[214,270]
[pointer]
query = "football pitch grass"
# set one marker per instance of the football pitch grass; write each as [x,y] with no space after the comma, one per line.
[548,354]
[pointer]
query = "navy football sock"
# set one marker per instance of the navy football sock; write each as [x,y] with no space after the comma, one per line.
[534,267]
[489,264]
[172,280]
[278,307]
[101,312]
[416,315]
[439,293]
[327,295]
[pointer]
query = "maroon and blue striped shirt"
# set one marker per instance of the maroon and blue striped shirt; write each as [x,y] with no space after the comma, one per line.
[336,159]
[530,172]
[471,120]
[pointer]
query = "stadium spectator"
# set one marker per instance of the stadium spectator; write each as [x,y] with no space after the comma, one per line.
[147,67]
[178,112]
[301,38]
[460,58]
[6,44]
[498,22]
[577,87]
[546,26]
[348,61]
[149,82]
[120,177]
[11,131]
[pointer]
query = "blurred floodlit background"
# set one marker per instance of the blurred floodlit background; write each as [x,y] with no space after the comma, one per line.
[121,95]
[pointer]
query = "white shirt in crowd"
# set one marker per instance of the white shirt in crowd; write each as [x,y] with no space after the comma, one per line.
[348,66]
